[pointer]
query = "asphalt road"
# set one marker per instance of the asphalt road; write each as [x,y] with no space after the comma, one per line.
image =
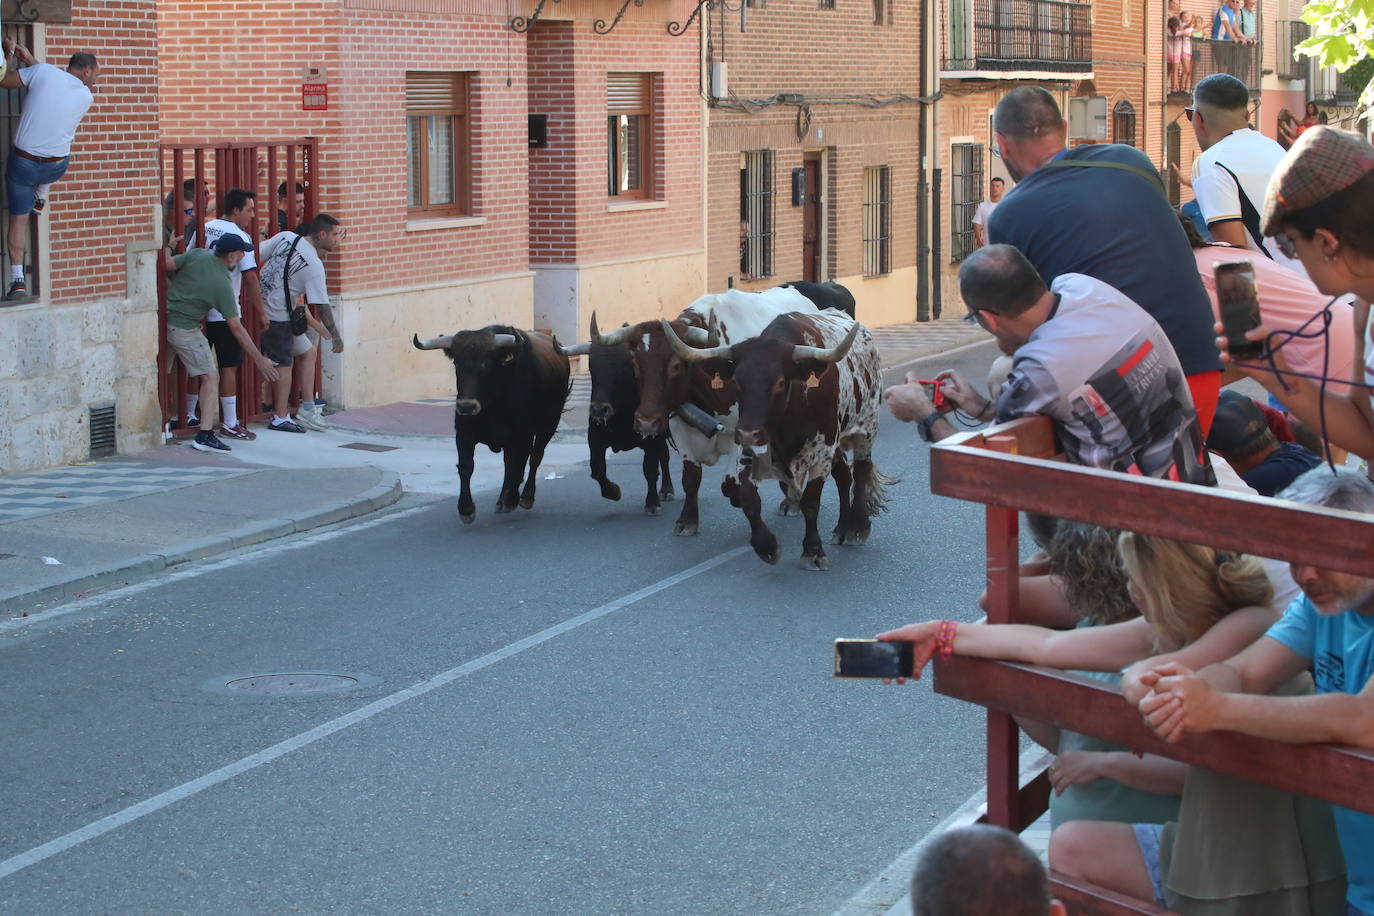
[566,710]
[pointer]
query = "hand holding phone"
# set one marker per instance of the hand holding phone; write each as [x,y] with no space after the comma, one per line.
[872,658]
[933,391]
[1238,302]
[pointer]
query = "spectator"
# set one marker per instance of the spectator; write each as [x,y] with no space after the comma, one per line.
[238,213]
[1311,117]
[297,211]
[1183,39]
[188,208]
[1240,434]
[293,260]
[1232,173]
[1327,631]
[1066,215]
[1318,209]
[1085,356]
[1244,49]
[57,100]
[1224,35]
[984,212]
[200,282]
[1287,128]
[1287,301]
[978,870]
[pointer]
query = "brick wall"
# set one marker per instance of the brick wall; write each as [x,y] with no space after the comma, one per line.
[110,190]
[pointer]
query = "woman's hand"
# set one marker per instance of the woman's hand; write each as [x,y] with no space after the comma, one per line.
[1259,372]
[1072,768]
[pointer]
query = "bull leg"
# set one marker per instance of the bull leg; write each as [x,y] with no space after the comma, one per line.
[844,480]
[467,509]
[688,521]
[729,488]
[510,485]
[789,505]
[597,443]
[666,492]
[764,542]
[813,553]
[536,455]
[652,506]
[862,513]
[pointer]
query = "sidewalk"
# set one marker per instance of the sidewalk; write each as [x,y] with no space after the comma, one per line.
[71,530]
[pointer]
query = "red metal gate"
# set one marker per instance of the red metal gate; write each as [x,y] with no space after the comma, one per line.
[216,168]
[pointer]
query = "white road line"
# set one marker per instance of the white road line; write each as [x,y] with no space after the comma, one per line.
[940,353]
[267,755]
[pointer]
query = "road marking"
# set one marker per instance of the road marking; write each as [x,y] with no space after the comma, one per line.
[267,755]
[940,353]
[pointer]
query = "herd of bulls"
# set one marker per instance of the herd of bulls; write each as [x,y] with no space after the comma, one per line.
[780,383]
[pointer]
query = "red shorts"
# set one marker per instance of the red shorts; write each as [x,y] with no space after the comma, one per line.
[1206,390]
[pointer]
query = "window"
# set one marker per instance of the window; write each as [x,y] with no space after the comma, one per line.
[1123,123]
[965,194]
[877,221]
[630,135]
[882,12]
[438,151]
[756,214]
[827,4]
[1088,118]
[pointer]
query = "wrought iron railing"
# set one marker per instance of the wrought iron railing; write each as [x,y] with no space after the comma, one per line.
[1018,35]
[1236,58]
[1328,87]
[1288,64]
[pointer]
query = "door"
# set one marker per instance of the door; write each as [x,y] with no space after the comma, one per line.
[811,220]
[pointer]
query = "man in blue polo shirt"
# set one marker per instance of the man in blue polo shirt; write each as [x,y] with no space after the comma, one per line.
[1329,630]
[1101,210]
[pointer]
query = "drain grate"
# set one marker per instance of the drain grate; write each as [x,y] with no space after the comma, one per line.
[292,683]
[369,447]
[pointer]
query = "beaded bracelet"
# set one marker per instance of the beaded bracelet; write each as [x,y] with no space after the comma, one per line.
[944,637]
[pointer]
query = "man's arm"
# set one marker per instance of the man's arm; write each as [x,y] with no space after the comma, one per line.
[327,319]
[265,365]
[978,235]
[1232,232]
[252,294]
[1226,639]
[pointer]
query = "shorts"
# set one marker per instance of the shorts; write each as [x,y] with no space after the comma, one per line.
[1147,838]
[227,348]
[22,178]
[192,349]
[1173,56]
[278,343]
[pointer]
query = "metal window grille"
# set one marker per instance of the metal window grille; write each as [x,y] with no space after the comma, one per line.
[756,214]
[101,422]
[827,4]
[11,103]
[629,131]
[1290,64]
[1123,123]
[1018,35]
[438,152]
[965,193]
[877,220]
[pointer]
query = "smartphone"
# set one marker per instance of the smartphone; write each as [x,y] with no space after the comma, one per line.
[1238,300]
[871,658]
[933,391]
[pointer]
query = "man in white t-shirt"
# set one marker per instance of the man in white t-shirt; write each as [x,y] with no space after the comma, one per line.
[984,211]
[292,273]
[57,101]
[1231,175]
[237,213]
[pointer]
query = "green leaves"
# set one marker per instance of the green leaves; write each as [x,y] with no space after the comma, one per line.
[1342,37]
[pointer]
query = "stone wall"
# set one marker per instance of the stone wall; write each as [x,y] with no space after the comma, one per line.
[57,361]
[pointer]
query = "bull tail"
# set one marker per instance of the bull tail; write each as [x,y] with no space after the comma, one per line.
[878,482]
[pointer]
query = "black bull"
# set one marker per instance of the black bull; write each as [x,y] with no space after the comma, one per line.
[511,389]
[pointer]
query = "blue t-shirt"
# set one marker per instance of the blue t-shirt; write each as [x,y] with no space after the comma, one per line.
[1341,650]
[1117,227]
[1284,465]
[1218,33]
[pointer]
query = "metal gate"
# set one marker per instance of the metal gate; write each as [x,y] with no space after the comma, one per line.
[260,167]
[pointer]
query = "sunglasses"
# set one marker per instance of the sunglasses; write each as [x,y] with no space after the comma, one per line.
[1285,245]
[1189,113]
[971,318]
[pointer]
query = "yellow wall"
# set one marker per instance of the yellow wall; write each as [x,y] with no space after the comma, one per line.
[889,299]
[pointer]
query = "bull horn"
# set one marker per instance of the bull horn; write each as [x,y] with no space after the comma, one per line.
[617,336]
[506,341]
[692,354]
[698,337]
[577,349]
[828,355]
[434,343]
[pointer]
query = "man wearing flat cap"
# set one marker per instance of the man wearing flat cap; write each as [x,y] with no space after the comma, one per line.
[198,281]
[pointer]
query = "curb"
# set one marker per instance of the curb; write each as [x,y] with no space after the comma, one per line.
[387,492]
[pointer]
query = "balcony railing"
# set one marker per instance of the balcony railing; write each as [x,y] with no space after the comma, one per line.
[1288,64]
[1012,35]
[1328,88]
[1240,60]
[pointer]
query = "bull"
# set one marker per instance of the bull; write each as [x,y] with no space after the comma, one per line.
[512,385]
[611,422]
[667,381]
[827,295]
[810,389]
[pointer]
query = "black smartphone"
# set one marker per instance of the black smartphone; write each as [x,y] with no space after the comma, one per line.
[1238,301]
[871,658]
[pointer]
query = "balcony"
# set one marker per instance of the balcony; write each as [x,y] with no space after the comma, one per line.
[1240,60]
[1288,64]
[1328,87]
[1017,39]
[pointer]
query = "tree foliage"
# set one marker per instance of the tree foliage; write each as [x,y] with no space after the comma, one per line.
[1343,37]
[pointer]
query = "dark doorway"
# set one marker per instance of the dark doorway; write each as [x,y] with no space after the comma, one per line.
[1173,141]
[811,220]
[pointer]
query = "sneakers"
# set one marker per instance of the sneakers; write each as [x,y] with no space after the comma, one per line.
[38,204]
[311,419]
[206,441]
[285,426]
[235,432]
[18,290]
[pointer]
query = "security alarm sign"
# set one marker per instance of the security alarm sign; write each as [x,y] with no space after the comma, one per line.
[314,89]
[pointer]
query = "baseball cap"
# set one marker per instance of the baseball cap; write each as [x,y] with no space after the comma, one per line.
[1239,426]
[1324,160]
[229,242]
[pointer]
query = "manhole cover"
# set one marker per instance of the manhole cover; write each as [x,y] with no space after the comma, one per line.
[370,447]
[292,683]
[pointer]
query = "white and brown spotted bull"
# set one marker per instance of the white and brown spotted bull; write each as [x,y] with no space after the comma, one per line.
[810,389]
[512,385]
[667,381]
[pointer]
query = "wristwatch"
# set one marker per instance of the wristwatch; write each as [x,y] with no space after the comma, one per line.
[925,429]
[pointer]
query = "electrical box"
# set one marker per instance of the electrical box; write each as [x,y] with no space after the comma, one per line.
[798,187]
[539,130]
[720,80]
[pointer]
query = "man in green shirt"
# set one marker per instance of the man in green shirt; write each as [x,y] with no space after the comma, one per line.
[199,281]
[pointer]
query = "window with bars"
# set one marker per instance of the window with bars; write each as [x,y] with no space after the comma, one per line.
[438,144]
[756,214]
[1123,123]
[966,193]
[877,220]
[826,4]
[630,135]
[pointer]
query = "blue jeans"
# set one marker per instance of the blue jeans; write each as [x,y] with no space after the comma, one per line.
[22,178]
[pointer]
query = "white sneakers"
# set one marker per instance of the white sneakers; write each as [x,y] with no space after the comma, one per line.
[311,417]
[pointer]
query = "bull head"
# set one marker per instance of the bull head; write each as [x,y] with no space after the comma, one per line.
[694,354]
[827,354]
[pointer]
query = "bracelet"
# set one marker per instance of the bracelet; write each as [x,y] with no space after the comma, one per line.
[926,428]
[944,637]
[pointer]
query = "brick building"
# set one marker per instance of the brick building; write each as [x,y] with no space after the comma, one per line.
[78,358]
[460,211]
[812,164]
